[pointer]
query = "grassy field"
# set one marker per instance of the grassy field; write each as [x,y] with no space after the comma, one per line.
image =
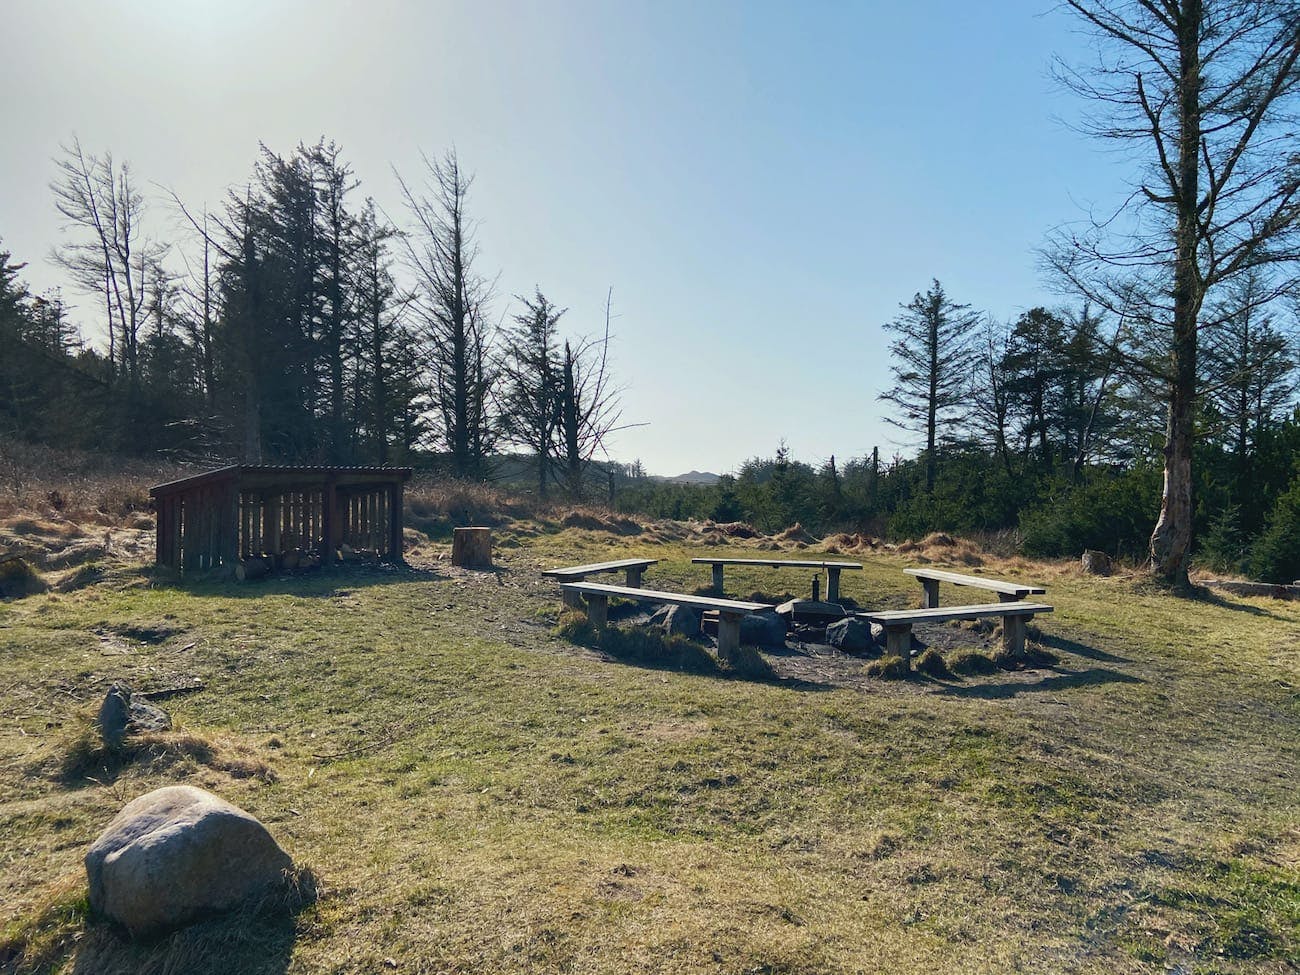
[475,794]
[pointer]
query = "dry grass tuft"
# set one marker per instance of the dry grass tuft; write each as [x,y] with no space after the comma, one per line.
[971,663]
[888,668]
[932,664]
[18,579]
[87,758]
[796,535]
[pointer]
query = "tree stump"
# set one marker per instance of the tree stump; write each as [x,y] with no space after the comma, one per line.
[471,548]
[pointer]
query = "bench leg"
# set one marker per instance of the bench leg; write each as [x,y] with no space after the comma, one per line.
[573,600]
[1007,597]
[832,585]
[634,576]
[898,643]
[717,579]
[728,635]
[929,593]
[598,611]
[1013,633]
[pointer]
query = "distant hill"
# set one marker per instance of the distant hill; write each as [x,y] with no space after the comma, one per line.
[694,477]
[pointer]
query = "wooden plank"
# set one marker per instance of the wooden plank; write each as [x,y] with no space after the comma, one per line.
[977,582]
[940,614]
[597,567]
[672,598]
[395,541]
[781,563]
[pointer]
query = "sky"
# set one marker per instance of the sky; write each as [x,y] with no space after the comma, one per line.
[761,185]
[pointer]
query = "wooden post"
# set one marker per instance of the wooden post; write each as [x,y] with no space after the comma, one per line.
[717,579]
[929,593]
[832,584]
[898,643]
[271,507]
[1013,633]
[598,610]
[572,599]
[728,633]
[634,576]
[395,523]
[230,528]
[471,548]
[1008,597]
[332,526]
[189,533]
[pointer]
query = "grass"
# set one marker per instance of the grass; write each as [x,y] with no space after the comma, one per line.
[475,792]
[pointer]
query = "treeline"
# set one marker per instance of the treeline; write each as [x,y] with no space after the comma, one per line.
[1048,427]
[295,324]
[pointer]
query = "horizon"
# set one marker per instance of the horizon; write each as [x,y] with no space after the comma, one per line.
[676,156]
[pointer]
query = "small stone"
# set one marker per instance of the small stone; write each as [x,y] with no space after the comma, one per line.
[121,713]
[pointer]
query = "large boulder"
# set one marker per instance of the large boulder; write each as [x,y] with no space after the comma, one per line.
[851,635]
[176,855]
[763,629]
[679,620]
[121,713]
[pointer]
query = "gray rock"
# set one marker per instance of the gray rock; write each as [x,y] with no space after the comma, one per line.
[121,713]
[851,635]
[176,855]
[762,629]
[679,620]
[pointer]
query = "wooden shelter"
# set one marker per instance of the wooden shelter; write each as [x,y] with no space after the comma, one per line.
[278,516]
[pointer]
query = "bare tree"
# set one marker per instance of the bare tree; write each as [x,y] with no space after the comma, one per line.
[589,404]
[1204,91]
[452,301]
[109,256]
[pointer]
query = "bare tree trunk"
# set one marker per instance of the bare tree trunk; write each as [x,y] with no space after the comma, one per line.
[1172,539]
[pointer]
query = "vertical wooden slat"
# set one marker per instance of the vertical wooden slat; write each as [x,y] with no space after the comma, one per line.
[395,523]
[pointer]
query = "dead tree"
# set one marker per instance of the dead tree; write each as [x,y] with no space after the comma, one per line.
[590,409]
[1204,90]
[451,300]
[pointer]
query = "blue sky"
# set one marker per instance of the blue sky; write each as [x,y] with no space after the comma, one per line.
[760,184]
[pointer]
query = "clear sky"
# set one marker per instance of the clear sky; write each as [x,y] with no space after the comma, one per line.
[760,184]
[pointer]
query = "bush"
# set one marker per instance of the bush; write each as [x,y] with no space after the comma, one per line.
[1115,514]
[1275,556]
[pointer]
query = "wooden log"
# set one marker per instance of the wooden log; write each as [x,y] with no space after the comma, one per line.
[471,548]
[1013,634]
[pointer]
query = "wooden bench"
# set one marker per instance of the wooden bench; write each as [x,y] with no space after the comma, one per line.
[898,623]
[1007,591]
[577,573]
[729,610]
[833,570]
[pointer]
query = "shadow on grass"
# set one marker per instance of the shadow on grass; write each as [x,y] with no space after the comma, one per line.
[309,584]
[1204,594]
[654,650]
[1081,649]
[1057,682]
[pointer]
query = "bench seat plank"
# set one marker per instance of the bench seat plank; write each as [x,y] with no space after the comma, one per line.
[1007,591]
[781,563]
[597,567]
[672,598]
[833,570]
[939,614]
